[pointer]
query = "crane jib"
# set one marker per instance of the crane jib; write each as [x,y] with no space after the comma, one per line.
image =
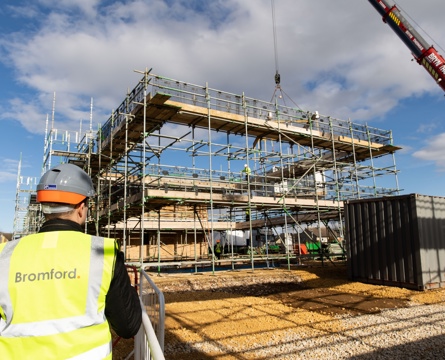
[425,54]
[434,63]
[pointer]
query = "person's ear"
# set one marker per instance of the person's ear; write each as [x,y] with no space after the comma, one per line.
[80,209]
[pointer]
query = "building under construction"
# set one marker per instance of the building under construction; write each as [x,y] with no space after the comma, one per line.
[178,167]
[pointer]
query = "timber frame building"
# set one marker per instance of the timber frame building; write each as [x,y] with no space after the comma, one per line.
[168,169]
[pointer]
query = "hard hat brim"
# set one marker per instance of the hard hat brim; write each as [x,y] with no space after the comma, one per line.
[57,196]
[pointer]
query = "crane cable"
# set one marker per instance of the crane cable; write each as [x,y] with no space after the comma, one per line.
[275,46]
[277,72]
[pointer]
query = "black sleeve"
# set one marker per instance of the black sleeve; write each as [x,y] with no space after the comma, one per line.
[122,306]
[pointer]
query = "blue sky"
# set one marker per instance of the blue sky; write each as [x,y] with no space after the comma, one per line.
[336,57]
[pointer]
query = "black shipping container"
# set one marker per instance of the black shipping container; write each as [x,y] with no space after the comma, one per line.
[397,241]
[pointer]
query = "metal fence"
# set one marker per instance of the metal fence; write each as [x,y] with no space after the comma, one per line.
[149,341]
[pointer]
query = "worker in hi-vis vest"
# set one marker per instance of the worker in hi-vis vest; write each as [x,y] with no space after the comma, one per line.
[61,289]
[246,171]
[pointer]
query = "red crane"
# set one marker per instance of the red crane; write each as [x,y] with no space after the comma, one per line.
[425,54]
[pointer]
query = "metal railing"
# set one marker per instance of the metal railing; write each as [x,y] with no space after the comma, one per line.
[149,341]
[198,95]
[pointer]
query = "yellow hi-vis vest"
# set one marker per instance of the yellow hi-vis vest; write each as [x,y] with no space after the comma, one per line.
[52,296]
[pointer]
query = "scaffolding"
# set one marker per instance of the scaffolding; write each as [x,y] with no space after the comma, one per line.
[168,164]
[27,210]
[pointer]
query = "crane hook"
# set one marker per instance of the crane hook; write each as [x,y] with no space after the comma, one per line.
[277,79]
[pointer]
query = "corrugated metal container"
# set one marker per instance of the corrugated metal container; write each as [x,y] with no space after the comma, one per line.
[397,241]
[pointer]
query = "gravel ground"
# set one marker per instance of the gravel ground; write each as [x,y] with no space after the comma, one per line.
[311,313]
[410,333]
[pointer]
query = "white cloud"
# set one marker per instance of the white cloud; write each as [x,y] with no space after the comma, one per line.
[8,170]
[434,151]
[86,7]
[427,128]
[337,57]
[27,113]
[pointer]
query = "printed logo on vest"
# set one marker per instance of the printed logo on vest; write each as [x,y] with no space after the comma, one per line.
[48,275]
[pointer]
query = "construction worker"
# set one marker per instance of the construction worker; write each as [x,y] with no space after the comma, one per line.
[218,249]
[61,289]
[246,171]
